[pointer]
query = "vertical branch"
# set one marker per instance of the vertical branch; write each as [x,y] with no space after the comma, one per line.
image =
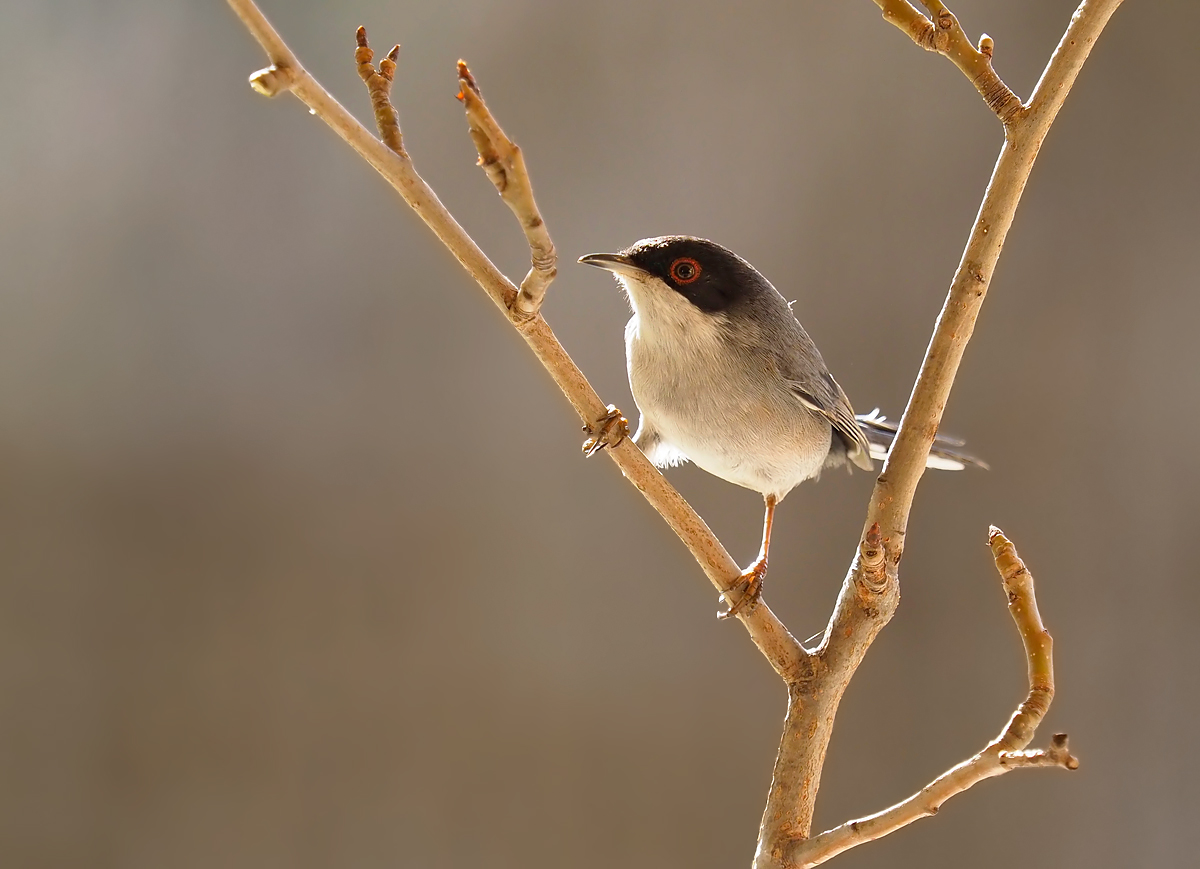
[870,592]
[892,498]
[1039,646]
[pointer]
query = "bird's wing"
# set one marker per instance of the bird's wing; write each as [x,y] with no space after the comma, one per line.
[834,406]
[804,370]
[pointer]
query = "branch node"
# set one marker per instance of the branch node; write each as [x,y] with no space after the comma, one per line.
[872,560]
[943,33]
[1060,750]
[925,34]
[1010,565]
[1057,755]
[273,80]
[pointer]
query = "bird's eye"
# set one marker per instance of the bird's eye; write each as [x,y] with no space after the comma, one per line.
[685,270]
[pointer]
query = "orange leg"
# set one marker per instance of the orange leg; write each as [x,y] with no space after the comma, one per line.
[751,580]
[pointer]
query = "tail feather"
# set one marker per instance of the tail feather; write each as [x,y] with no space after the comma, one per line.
[945,454]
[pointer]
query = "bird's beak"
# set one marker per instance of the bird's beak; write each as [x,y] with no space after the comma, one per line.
[613,262]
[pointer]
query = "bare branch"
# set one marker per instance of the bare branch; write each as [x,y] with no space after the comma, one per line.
[870,592]
[942,33]
[867,600]
[379,86]
[768,633]
[1001,755]
[502,160]
[1039,647]
[892,499]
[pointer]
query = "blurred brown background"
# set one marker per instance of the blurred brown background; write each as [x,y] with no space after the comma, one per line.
[269,461]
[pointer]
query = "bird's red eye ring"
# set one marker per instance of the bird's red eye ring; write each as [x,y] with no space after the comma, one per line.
[685,270]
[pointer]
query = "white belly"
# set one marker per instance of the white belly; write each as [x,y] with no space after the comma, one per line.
[749,430]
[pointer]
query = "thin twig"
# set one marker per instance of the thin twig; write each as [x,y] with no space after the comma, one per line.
[1003,754]
[379,86]
[768,633]
[865,604]
[502,160]
[942,33]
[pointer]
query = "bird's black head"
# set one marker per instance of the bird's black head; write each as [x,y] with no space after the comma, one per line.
[709,276]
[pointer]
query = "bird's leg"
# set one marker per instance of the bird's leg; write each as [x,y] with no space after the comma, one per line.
[751,581]
[608,431]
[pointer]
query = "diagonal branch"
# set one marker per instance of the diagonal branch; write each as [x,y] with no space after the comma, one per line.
[768,633]
[892,498]
[942,33]
[1003,754]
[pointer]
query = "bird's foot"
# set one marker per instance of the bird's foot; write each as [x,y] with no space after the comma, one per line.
[748,589]
[608,431]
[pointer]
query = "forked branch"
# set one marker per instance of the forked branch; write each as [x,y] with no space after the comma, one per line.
[870,592]
[1003,754]
[891,501]
[768,633]
[379,86]
[942,33]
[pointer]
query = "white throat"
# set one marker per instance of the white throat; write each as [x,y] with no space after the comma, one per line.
[663,315]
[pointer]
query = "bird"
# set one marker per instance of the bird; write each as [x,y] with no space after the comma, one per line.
[724,376]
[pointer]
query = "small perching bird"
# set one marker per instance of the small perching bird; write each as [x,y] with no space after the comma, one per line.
[726,377]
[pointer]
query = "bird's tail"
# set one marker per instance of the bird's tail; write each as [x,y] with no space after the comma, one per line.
[945,454]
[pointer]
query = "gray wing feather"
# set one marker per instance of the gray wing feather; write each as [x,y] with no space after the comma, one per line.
[800,365]
[834,406]
[810,381]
